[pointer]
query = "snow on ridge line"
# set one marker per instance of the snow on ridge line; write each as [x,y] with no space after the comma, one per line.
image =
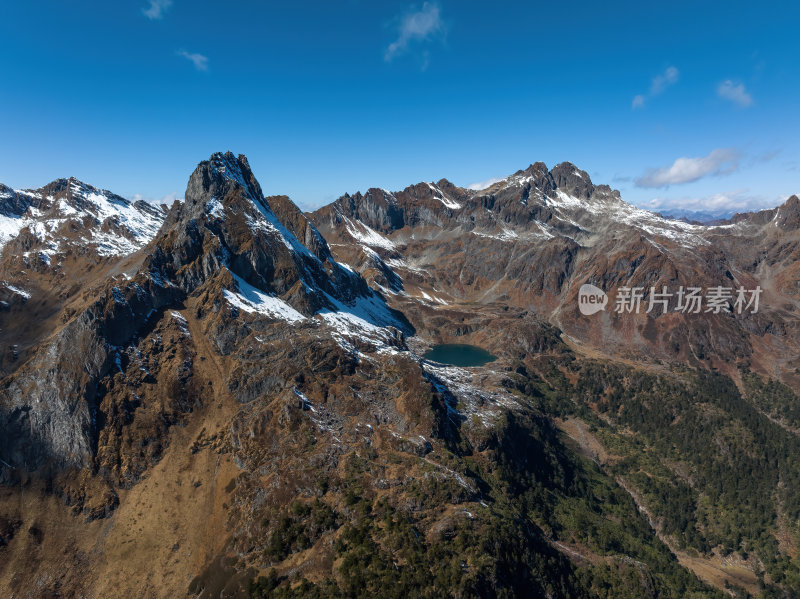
[229,168]
[620,211]
[388,194]
[516,180]
[453,205]
[287,237]
[107,205]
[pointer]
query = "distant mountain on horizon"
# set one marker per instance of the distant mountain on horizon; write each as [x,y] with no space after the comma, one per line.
[702,217]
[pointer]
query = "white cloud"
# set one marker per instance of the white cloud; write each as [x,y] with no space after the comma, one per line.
[156,10]
[417,26]
[739,200]
[199,61]
[167,199]
[686,170]
[657,86]
[663,81]
[484,184]
[734,92]
[170,198]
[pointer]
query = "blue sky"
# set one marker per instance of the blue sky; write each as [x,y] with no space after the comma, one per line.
[689,104]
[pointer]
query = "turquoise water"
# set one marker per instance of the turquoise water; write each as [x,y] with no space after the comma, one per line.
[459,354]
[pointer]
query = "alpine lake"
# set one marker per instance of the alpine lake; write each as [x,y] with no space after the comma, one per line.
[459,354]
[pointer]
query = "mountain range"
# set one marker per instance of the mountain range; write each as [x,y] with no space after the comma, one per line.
[228,397]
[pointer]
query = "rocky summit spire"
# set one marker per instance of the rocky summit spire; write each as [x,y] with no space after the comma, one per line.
[572,180]
[225,221]
[218,178]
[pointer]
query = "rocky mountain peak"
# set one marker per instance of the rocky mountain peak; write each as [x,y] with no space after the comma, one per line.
[226,224]
[236,169]
[225,183]
[537,168]
[788,214]
[68,188]
[572,180]
[565,177]
[447,186]
[12,204]
[219,176]
[536,175]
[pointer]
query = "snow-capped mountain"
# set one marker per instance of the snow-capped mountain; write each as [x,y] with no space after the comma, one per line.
[531,204]
[69,216]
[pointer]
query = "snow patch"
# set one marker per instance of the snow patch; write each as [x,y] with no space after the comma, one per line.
[13,289]
[181,320]
[438,194]
[465,399]
[433,299]
[249,299]
[214,208]
[366,320]
[10,226]
[366,235]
